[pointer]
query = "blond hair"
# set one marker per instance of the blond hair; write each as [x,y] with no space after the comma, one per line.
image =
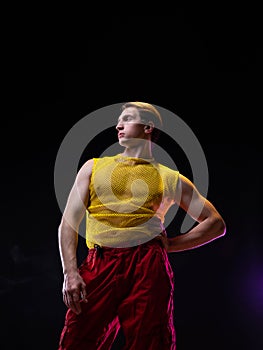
[147,113]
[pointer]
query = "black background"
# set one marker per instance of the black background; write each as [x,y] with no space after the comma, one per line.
[204,64]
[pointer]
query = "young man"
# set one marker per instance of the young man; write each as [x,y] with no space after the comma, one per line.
[126,280]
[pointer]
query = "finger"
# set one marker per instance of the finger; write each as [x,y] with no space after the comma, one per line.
[65,299]
[83,293]
[75,303]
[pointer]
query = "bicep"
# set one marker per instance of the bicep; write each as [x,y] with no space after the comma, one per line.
[79,196]
[190,199]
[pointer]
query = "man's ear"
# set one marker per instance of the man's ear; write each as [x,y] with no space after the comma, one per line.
[149,127]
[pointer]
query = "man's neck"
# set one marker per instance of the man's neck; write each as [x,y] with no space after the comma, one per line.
[137,153]
[144,150]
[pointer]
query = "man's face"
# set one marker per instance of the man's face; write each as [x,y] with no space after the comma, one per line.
[130,127]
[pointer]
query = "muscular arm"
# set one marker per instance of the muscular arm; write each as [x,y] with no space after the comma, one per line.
[210,223]
[74,286]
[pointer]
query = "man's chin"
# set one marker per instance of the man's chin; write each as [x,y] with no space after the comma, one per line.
[123,141]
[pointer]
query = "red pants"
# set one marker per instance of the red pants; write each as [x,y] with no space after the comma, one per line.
[130,288]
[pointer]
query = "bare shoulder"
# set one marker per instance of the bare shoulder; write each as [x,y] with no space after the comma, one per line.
[187,192]
[185,185]
[185,180]
[87,166]
[85,170]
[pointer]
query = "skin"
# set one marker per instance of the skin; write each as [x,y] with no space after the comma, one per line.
[135,137]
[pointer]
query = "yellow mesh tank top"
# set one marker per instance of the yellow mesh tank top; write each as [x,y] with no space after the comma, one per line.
[129,198]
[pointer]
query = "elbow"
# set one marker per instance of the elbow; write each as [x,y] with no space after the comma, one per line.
[62,226]
[220,227]
[67,225]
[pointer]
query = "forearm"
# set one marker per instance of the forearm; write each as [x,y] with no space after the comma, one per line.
[205,232]
[68,241]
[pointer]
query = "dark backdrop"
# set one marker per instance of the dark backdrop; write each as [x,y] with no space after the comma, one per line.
[202,64]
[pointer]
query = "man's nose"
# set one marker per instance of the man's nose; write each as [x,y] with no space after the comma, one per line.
[119,126]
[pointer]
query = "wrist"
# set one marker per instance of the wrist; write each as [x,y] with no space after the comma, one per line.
[70,271]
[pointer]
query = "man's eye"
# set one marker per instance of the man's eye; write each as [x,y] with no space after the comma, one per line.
[127,119]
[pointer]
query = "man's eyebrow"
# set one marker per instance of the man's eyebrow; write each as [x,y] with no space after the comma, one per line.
[125,115]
